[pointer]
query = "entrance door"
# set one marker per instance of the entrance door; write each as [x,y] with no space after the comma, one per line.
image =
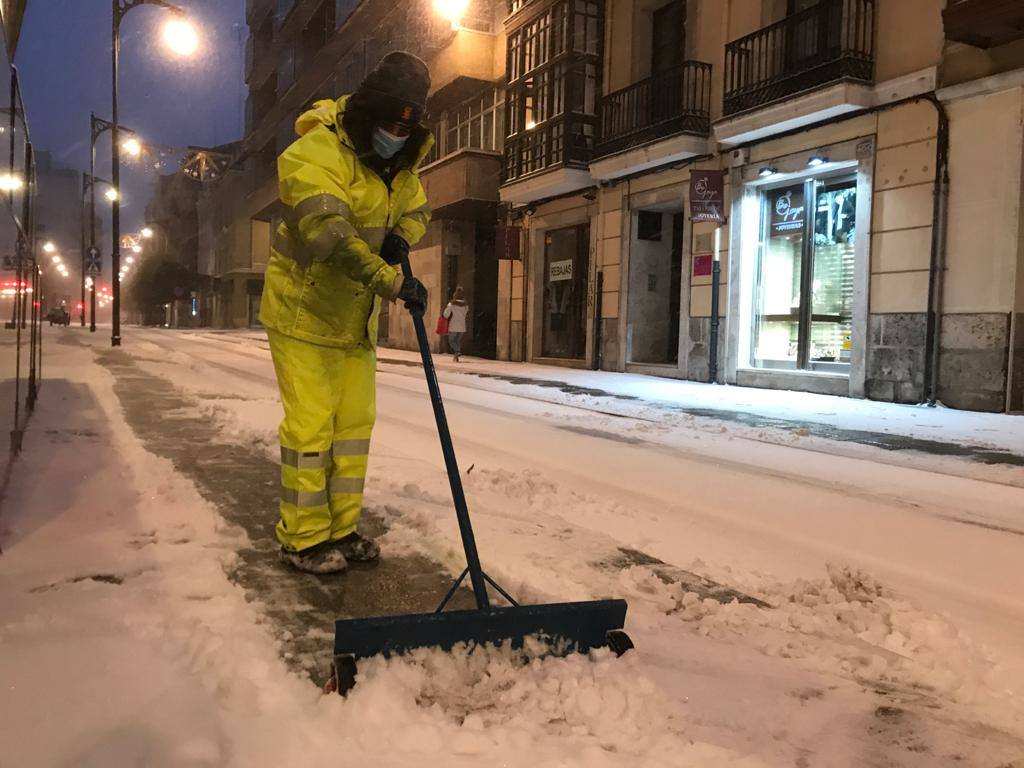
[566,271]
[803,293]
[655,273]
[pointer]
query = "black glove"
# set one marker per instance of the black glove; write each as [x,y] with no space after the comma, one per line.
[414,295]
[394,249]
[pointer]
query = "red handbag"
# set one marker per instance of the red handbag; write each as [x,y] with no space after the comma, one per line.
[442,326]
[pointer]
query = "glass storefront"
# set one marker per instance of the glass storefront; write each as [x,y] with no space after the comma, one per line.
[566,271]
[803,290]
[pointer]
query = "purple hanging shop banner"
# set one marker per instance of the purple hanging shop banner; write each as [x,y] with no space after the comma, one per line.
[707,196]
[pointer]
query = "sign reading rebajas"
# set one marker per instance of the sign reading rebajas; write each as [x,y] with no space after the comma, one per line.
[707,196]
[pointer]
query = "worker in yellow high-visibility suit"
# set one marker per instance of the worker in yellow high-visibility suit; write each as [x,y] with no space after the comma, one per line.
[353,204]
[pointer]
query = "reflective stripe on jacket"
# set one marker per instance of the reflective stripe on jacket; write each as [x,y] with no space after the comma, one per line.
[325,279]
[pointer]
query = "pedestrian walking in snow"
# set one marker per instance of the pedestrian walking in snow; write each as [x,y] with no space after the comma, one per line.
[353,205]
[455,313]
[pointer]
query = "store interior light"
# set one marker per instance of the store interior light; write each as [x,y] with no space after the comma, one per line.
[817,159]
[767,172]
[530,125]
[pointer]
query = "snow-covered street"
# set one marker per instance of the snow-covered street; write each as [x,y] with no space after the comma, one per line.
[884,570]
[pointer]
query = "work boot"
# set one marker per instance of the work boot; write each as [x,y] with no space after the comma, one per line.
[323,558]
[357,549]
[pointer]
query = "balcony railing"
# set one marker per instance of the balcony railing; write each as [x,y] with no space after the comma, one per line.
[984,23]
[829,42]
[672,102]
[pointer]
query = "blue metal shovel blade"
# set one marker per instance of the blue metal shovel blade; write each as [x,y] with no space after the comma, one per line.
[582,626]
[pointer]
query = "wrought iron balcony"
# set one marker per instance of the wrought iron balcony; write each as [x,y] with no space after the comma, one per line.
[672,102]
[984,23]
[829,42]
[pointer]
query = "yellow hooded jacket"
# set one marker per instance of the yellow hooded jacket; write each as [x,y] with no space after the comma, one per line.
[325,279]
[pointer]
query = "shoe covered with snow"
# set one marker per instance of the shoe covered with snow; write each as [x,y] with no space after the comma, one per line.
[357,549]
[323,558]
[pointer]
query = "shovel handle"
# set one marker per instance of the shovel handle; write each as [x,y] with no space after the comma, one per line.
[451,463]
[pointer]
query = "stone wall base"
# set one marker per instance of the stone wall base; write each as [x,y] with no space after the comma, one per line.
[610,344]
[974,359]
[896,357]
[1016,397]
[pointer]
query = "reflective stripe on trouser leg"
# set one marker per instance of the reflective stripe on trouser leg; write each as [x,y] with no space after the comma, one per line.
[350,449]
[309,377]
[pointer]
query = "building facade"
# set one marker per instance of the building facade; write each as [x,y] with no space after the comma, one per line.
[874,175]
[172,216]
[300,51]
[60,218]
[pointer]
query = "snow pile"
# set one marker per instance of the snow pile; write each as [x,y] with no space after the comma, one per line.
[852,624]
[504,708]
[846,625]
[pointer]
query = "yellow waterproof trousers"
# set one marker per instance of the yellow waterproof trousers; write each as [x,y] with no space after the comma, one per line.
[329,399]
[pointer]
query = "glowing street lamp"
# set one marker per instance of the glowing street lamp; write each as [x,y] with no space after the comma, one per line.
[49,247]
[452,10]
[132,146]
[180,36]
[147,232]
[11,183]
[111,195]
[136,248]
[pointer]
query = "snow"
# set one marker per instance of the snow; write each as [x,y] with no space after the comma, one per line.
[891,634]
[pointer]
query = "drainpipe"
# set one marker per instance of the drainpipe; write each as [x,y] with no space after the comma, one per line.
[937,265]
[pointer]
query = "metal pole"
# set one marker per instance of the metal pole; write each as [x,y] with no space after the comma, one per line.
[16,432]
[92,218]
[81,250]
[115,177]
[476,574]
[10,194]
[716,278]
[33,297]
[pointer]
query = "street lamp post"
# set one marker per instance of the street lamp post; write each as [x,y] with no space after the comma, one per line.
[89,183]
[120,8]
[97,126]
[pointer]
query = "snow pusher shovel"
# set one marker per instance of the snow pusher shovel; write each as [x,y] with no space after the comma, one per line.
[566,627]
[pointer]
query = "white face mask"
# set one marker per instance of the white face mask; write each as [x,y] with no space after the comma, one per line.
[386,144]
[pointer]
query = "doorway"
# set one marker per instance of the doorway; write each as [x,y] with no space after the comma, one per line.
[804,277]
[566,272]
[655,276]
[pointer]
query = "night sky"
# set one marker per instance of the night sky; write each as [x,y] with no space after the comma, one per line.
[63,61]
